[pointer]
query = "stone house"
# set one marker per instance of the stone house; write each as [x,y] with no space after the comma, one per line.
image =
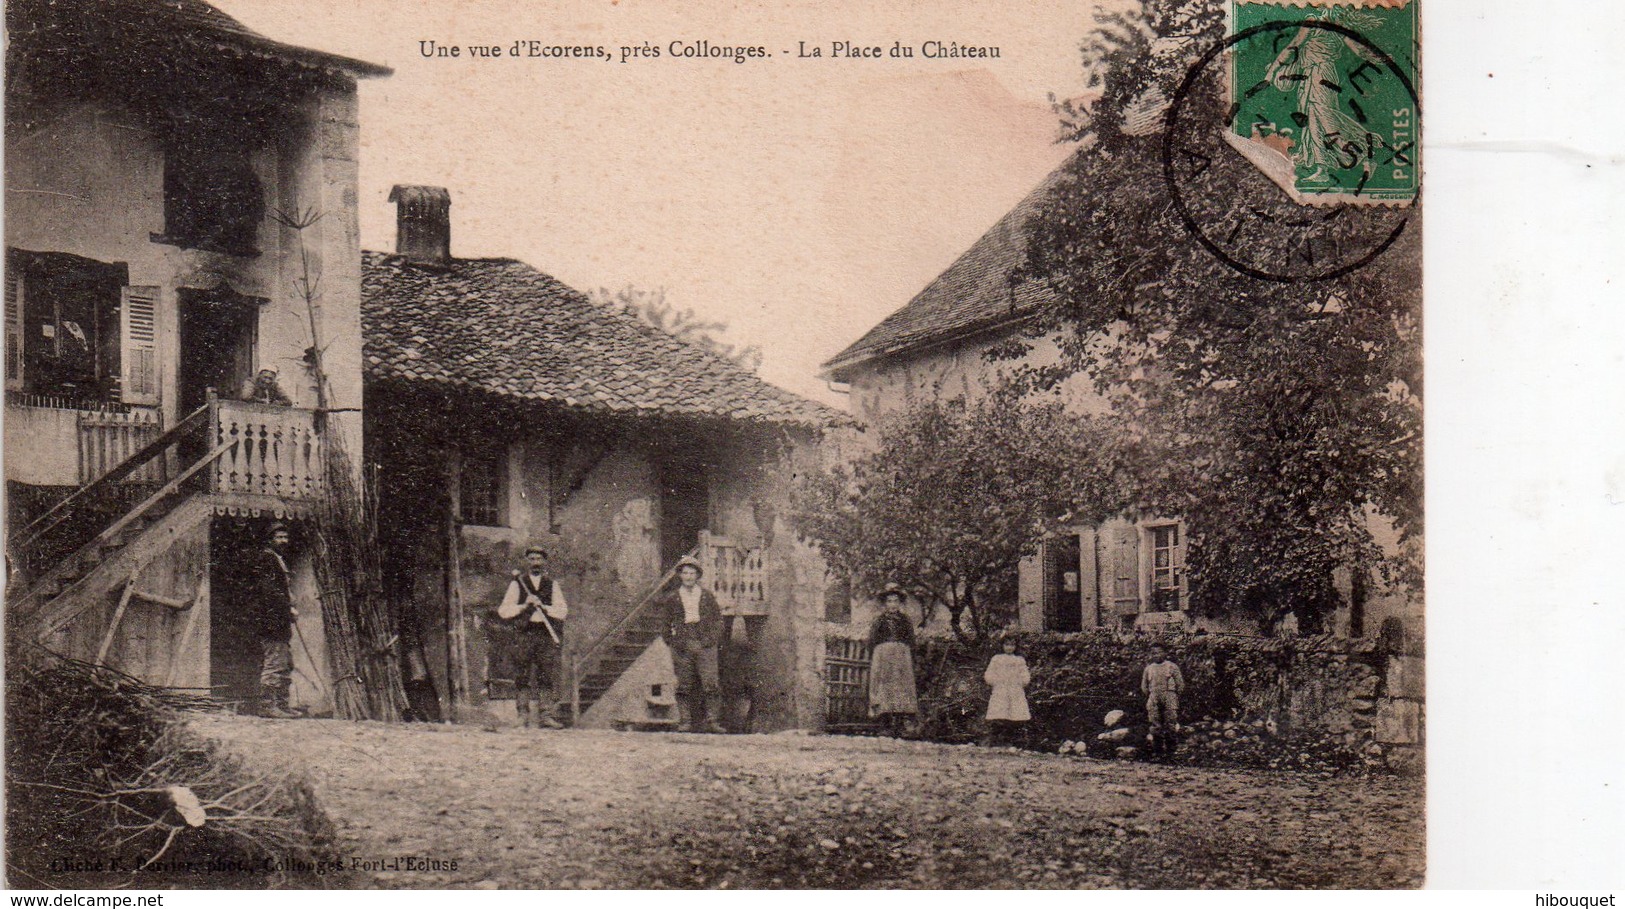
[150,145]
[1125,574]
[505,408]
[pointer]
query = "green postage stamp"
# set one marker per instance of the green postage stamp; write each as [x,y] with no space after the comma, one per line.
[1323,97]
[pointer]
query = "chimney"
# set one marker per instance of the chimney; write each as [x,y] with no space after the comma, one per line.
[422,223]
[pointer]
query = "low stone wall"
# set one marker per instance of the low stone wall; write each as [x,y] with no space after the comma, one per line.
[1353,703]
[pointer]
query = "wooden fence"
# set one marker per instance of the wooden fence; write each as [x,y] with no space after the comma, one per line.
[846,684]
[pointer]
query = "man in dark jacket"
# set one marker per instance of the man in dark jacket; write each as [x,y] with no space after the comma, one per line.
[271,612]
[694,629]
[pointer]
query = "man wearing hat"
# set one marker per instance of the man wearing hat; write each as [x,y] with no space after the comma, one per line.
[694,629]
[272,613]
[533,611]
[263,389]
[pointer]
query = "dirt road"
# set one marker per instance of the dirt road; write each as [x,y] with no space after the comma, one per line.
[603,809]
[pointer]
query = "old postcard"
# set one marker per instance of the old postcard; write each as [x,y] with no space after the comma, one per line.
[766,445]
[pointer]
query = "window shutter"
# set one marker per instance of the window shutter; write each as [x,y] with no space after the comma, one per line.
[14,330]
[138,320]
[1126,570]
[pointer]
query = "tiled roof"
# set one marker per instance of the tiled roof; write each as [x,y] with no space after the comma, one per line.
[189,23]
[974,294]
[502,327]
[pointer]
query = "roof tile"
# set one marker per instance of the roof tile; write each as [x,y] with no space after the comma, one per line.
[501,326]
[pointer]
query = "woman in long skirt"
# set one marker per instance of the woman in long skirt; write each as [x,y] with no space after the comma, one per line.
[892,696]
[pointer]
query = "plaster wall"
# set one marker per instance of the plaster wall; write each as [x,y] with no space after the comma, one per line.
[606,554]
[90,182]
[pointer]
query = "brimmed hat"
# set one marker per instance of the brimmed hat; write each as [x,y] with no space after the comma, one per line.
[277,526]
[535,547]
[688,561]
[890,589]
[270,368]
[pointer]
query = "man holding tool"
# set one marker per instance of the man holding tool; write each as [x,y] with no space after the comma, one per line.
[534,611]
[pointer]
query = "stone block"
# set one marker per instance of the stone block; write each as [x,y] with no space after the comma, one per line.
[1398,722]
[1407,677]
[1364,687]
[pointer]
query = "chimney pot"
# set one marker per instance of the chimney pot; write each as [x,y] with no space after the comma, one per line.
[422,222]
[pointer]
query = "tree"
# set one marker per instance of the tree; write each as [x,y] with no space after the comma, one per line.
[652,308]
[955,494]
[1282,419]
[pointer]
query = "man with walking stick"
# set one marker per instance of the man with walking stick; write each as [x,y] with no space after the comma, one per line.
[271,602]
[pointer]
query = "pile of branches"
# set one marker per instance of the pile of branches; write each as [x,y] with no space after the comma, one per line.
[359,626]
[107,787]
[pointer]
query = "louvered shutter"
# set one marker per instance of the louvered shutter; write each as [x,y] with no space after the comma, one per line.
[138,319]
[14,330]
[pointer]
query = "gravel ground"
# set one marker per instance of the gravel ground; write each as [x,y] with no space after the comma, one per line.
[514,808]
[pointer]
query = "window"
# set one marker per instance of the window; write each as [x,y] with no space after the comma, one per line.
[213,200]
[1166,567]
[76,334]
[483,491]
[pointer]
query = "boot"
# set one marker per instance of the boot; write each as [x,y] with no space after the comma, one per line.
[546,718]
[713,715]
[685,713]
[523,708]
[271,707]
[282,702]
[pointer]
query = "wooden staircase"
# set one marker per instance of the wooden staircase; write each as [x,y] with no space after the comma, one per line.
[606,659]
[93,541]
[618,657]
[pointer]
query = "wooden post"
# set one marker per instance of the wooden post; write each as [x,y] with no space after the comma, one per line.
[456,628]
[211,432]
[118,614]
[186,635]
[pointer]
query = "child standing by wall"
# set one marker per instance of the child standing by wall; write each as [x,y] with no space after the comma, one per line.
[1007,706]
[1161,683]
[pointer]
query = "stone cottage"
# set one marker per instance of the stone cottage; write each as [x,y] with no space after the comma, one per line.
[505,408]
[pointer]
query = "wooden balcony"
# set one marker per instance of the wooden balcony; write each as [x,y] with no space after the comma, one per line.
[274,464]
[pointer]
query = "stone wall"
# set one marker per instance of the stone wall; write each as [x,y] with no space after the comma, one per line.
[1362,701]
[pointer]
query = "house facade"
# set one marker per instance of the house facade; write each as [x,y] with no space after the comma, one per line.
[506,409]
[1127,573]
[158,157]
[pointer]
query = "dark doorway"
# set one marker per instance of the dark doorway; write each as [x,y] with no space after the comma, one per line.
[685,506]
[234,647]
[217,329]
[1063,584]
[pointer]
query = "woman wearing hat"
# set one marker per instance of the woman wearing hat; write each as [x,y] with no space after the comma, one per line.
[892,696]
[694,629]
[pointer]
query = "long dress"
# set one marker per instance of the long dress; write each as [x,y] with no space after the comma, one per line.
[1008,675]
[891,666]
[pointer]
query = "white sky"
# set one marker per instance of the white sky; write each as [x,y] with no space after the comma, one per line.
[798,200]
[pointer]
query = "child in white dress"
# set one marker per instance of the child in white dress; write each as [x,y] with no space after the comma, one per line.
[1007,706]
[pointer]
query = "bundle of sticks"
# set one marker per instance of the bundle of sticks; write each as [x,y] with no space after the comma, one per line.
[360,628]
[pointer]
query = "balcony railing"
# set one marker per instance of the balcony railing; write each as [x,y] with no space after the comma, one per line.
[277,451]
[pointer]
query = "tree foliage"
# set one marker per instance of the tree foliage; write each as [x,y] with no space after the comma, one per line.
[1281,419]
[953,496]
[652,308]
